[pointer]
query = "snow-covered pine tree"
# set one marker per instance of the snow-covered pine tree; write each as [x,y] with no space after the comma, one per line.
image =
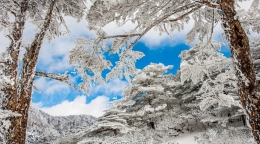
[216,104]
[141,113]
[167,16]
[17,88]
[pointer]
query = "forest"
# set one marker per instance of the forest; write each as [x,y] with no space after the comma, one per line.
[211,96]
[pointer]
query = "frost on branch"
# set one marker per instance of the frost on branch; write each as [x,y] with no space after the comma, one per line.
[125,67]
[216,102]
[204,22]
[58,27]
[87,56]
[250,19]
[215,75]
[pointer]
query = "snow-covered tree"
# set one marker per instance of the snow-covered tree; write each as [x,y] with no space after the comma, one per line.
[157,106]
[16,88]
[167,16]
[141,113]
[216,103]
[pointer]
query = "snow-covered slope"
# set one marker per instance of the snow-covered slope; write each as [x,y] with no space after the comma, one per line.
[44,128]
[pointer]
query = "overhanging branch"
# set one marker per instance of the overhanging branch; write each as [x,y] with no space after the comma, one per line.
[184,15]
[59,77]
[165,17]
[122,36]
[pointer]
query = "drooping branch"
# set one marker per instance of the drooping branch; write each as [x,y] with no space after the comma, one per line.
[59,77]
[121,36]
[184,15]
[156,22]
[165,17]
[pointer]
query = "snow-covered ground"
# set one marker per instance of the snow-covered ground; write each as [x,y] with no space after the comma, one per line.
[186,138]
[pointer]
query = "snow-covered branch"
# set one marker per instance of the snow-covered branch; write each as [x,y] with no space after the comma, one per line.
[59,77]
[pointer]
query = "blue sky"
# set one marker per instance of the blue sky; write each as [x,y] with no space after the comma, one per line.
[57,98]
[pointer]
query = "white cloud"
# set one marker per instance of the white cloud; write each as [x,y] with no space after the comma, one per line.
[112,88]
[54,56]
[153,38]
[113,29]
[78,106]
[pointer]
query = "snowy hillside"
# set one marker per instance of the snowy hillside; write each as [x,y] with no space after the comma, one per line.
[44,128]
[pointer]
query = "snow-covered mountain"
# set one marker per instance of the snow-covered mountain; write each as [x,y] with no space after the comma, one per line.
[43,128]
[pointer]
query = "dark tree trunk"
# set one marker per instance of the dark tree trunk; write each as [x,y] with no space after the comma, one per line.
[239,46]
[20,102]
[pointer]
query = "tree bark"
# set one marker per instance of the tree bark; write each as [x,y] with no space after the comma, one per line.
[243,65]
[20,102]
[12,52]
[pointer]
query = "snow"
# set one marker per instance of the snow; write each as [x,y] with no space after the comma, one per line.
[186,138]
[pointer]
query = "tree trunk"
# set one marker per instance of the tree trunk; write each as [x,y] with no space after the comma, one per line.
[12,52]
[21,102]
[239,46]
